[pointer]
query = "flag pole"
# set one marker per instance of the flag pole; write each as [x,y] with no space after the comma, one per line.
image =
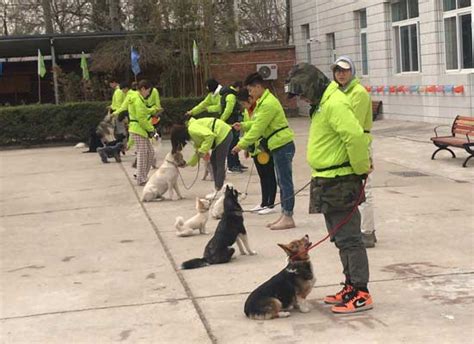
[39,89]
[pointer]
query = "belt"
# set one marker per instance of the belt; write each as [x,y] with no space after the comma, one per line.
[276,131]
[133,120]
[334,167]
[367,131]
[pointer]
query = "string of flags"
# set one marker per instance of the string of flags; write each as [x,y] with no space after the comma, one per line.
[416,89]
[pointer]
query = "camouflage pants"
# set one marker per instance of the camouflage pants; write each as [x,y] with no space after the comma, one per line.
[336,198]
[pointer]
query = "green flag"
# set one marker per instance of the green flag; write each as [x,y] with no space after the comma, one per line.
[41,67]
[85,70]
[195,54]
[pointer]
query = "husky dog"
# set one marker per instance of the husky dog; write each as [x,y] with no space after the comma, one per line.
[164,179]
[287,289]
[229,230]
[198,221]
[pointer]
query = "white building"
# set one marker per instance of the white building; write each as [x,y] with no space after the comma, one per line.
[416,55]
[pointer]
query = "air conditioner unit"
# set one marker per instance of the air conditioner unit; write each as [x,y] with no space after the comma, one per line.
[269,71]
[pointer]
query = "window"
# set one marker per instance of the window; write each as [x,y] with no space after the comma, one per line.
[307,41]
[331,39]
[458,34]
[405,26]
[363,41]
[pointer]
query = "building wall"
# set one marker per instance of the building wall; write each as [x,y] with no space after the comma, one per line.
[339,17]
[231,66]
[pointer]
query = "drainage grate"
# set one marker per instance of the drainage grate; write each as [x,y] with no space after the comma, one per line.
[409,174]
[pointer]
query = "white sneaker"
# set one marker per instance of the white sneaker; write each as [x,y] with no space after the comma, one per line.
[267,210]
[258,207]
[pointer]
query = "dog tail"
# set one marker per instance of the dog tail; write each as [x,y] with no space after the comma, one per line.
[194,263]
[179,223]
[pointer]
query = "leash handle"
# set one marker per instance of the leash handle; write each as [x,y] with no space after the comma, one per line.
[195,178]
[336,228]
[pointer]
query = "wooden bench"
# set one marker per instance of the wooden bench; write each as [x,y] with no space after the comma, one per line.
[376,108]
[462,136]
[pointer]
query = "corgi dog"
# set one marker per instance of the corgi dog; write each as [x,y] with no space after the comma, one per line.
[287,289]
[229,231]
[198,221]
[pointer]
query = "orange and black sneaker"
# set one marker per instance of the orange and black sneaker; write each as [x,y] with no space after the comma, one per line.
[358,301]
[340,297]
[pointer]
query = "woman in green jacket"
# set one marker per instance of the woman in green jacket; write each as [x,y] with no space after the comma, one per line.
[338,153]
[265,169]
[207,134]
[141,130]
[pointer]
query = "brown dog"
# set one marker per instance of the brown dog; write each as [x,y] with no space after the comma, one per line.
[287,289]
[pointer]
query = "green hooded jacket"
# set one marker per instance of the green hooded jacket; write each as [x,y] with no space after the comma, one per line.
[154,99]
[138,112]
[117,98]
[361,103]
[268,116]
[126,101]
[203,137]
[336,137]
[211,104]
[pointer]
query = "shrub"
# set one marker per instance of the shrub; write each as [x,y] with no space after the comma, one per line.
[72,122]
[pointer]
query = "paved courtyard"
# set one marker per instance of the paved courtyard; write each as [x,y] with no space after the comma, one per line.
[83,261]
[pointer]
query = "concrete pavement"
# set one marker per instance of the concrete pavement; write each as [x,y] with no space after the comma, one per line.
[83,261]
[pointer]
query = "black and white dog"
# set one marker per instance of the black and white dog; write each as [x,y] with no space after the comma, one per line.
[230,230]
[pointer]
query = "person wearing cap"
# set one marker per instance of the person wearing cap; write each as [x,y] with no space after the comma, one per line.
[262,160]
[270,126]
[212,102]
[344,75]
[212,138]
[338,155]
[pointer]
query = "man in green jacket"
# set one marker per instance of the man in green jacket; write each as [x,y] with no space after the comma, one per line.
[117,97]
[338,154]
[270,126]
[344,74]
[212,102]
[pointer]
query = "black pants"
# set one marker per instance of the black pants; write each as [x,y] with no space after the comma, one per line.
[233,159]
[268,182]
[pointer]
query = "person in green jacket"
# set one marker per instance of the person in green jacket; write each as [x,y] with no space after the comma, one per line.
[117,97]
[232,113]
[271,127]
[338,154]
[208,134]
[212,102]
[265,169]
[141,129]
[344,74]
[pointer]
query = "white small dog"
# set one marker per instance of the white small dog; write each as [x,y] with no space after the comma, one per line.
[164,179]
[198,221]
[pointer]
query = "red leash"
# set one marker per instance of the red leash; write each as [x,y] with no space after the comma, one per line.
[336,229]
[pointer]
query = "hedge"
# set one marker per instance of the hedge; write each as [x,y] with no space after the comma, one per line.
[71,122]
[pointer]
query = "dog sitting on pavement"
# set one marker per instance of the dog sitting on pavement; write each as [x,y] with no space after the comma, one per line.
[287,289]
[164,179]
[198,221]
[230,230]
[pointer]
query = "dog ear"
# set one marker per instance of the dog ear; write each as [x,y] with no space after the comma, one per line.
[286,249]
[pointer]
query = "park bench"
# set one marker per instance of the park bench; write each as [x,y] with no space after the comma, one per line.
[376,108]
[462,136]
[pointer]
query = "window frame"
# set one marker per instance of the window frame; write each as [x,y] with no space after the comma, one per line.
[363,31]
[306,33]
[457,13]
[396,26]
